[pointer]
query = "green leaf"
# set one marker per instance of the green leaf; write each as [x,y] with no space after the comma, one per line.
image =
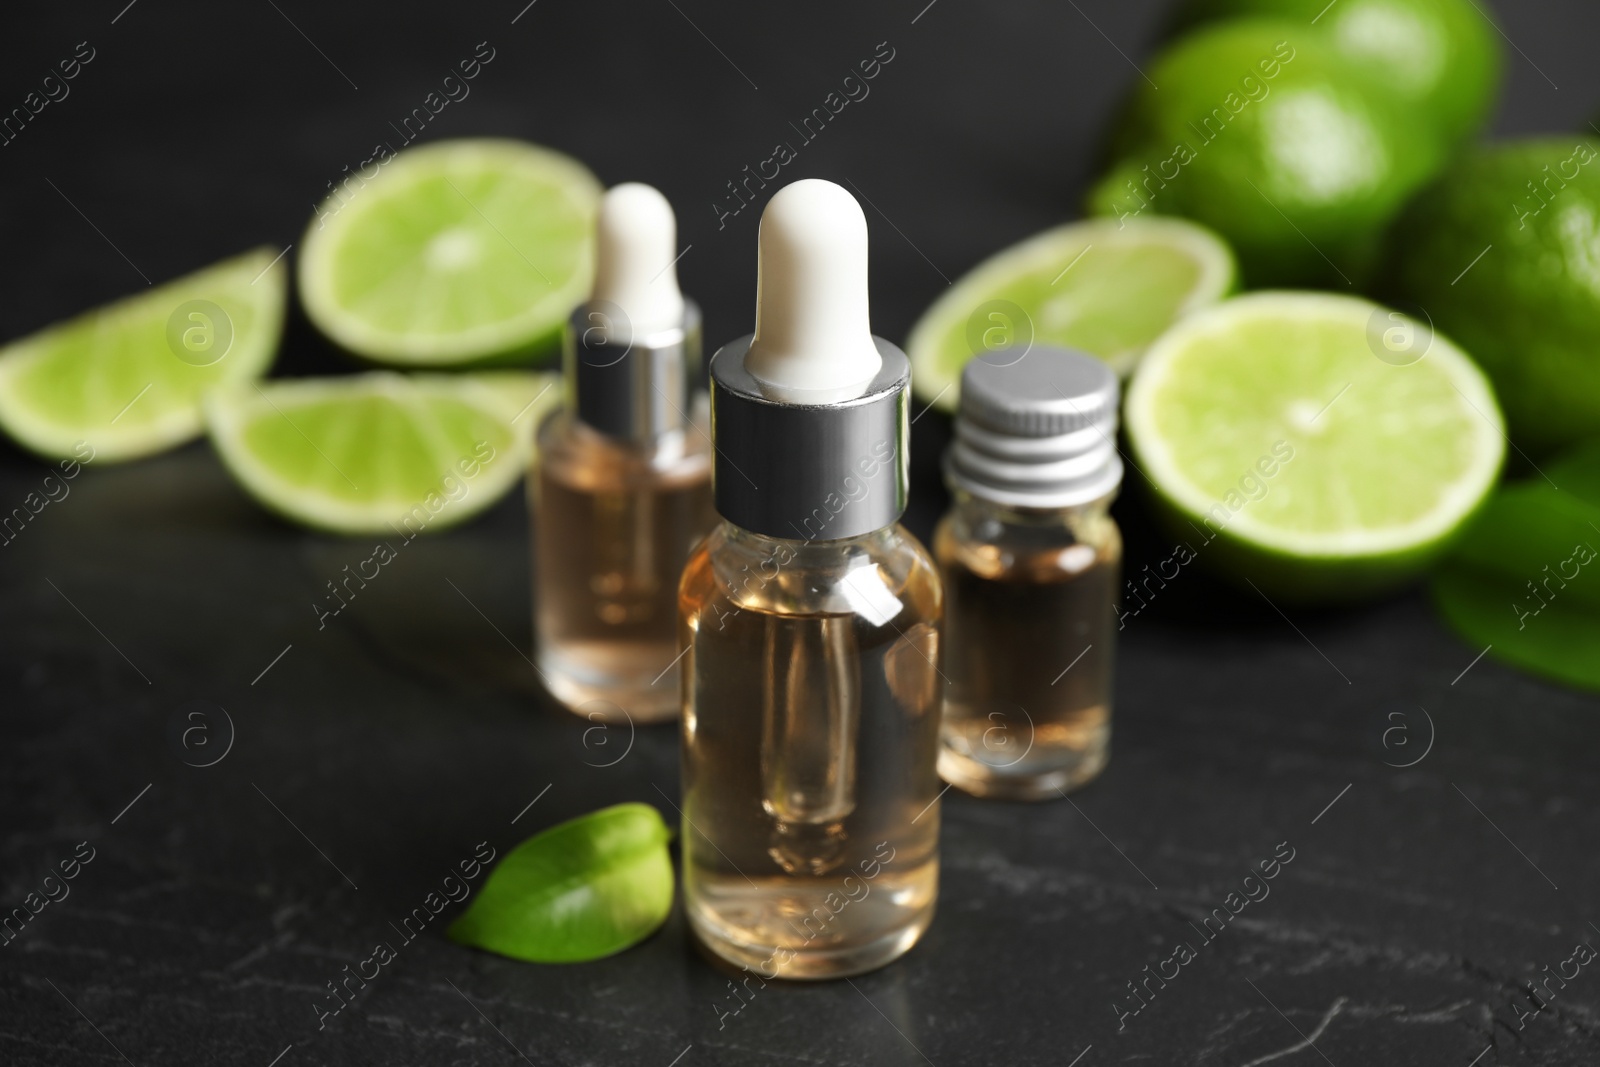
[1525,578]
[578,891]
[1577,471]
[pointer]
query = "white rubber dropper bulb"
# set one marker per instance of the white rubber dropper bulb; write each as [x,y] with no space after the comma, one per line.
[634,268]
[813,341]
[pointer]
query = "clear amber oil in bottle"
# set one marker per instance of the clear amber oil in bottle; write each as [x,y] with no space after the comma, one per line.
[1029,646]
[613,524]
[810,730]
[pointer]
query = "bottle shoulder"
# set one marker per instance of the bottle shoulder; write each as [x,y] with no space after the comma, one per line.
[997,542]
[581,458]
[881,576]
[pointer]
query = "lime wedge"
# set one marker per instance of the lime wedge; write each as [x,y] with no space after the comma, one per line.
[379,452]
[126,379]
[1105,287]
[1321,447]
[454,253]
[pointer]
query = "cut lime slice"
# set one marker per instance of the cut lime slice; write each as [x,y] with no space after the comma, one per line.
[126,379]
[379,452]
[1320,446]
[454,253]
[1106,287]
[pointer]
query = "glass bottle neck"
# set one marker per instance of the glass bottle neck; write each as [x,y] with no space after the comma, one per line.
[974,509]
[797,549]
[666,449]
[864,575]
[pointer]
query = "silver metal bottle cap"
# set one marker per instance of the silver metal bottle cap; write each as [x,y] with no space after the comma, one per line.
[1036,428]
[810,472]
[638,390]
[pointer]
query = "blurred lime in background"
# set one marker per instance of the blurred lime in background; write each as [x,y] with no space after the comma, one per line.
[454,253]
[1103,286]
[1441,57]
[1504,255]
[1320,447]
[1265,132]
[127,378]
[381,452]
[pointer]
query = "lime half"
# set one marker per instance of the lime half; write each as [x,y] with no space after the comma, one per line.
[454,253]
[1321,447]
[379,452]
[126,379]
[1104,286]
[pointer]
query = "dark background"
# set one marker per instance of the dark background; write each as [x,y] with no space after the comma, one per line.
[412,728]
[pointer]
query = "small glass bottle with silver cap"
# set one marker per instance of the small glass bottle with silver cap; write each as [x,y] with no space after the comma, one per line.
[811,629]
[1031,560]
[620,490]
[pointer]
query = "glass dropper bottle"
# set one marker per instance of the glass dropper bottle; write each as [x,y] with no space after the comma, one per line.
[810,620]
[621,485]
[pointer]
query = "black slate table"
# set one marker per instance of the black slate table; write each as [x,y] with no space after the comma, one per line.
[1442,812]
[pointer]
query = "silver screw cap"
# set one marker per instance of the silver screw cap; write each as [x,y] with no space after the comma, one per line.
[1036,428]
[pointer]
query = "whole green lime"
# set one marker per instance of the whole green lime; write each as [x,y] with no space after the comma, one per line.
[1440,56]
[1503,253]
[1261,130]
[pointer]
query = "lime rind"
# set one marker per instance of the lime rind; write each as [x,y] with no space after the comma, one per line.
[1446,389]
[360,313]
[1051,253]
[108,377]
[1511,270]
[379,452]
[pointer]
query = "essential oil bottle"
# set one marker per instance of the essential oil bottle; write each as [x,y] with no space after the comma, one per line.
[1031,560]
[620,490]
[810,621]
